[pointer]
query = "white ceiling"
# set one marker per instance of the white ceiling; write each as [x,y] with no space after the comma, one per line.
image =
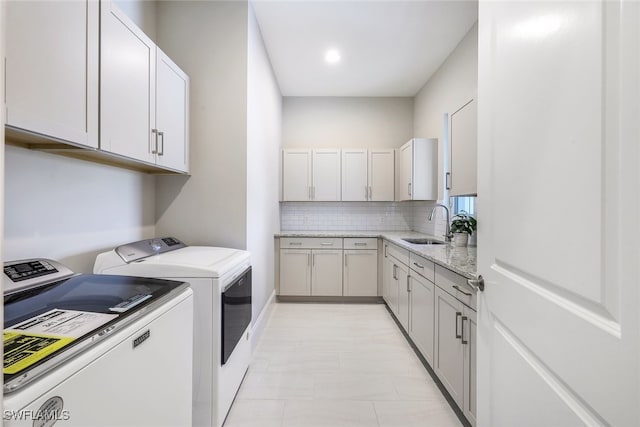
[388,48]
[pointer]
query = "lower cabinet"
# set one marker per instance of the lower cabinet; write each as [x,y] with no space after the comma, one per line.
[421,314]
[326,272]
[315,272]
[360,272]
[454,358]
[320,267]
[295,272]
[402,280]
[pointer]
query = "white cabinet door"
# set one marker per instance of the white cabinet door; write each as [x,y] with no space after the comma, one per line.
[295,272]
[463,147]
[558,126]
[381,178]
[387,274]
[419,170]
[469,341]
[402,273]
[52,69]
[448,352]
[421,323]
[355,187]
[326,277]
[406,171]
[127,86]
[296,175]
[172,118]
[326,176]
[361,272]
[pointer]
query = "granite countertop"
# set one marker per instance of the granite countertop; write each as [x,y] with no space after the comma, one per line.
[461,260]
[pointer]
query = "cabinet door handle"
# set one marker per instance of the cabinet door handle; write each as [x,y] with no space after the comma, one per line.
[462,332]
[295,243]
[153,143]
[477,284]
[461,291]
[409,189]
[447,180]
[408,284]
[458,314]
[360,244]
[418,265]
[385,250]
[161,150]
[326,244]
[313,260]
[394,272]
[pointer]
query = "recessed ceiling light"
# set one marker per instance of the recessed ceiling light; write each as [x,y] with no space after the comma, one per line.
[332,56]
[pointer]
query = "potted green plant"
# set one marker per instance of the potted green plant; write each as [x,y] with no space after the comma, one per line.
[462,226]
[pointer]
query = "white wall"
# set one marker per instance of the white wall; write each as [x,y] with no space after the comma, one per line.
[264,135]
[455,82]
[346,122]
[70,210]
[142,13]
[208,40]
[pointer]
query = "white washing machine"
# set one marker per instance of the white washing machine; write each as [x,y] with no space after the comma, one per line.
[93,350]
[221,282]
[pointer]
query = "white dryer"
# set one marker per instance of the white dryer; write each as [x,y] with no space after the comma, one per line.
[221,282]
[92,350]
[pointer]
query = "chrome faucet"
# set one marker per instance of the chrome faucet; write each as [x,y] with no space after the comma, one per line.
[447,235]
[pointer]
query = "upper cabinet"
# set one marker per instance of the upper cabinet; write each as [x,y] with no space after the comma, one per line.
[326,176]
[310,175]
[172,114]
[52,70]
[418,170]
[127,87]
[463,149]
[144,95]
[368,175]
[82,76]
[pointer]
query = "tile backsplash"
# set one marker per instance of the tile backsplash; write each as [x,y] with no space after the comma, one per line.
[355,216]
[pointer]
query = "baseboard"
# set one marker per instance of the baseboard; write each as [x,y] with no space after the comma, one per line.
[261,321]
[344,300]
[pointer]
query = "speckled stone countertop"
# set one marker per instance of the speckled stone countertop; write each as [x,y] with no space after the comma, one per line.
[460,260]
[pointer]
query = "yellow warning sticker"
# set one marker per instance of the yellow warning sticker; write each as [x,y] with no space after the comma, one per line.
[23,349]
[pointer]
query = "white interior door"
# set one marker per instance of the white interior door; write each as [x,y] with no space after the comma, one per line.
[559,195]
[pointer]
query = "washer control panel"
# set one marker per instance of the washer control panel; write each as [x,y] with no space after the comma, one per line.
[145,248]
[29,273]
[29,269]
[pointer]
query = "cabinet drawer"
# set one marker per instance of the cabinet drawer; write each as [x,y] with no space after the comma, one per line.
[422,266]
[456,285]
[361,243]
[401,255]
[311,243]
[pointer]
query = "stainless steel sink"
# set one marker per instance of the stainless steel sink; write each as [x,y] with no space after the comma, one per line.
[424,241]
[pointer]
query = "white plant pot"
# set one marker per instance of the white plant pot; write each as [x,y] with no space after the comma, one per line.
[460,239]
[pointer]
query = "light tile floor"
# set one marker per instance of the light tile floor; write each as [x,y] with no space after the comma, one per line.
[329,365]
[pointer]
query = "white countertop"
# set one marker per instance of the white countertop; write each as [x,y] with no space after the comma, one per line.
[461,260]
